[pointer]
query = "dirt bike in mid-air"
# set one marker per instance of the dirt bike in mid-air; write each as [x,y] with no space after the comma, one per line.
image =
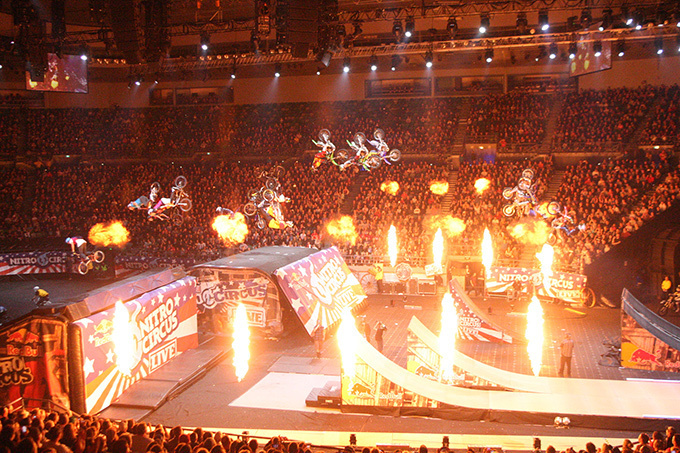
[264,204]
[371,159]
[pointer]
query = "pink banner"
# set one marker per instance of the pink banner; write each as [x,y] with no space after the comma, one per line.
[160,325]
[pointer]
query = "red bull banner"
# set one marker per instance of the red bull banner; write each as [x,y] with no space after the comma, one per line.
[648,341]
[471,325]
[564,286]
[122,345]
[319,287]
[33,362]
[34,263]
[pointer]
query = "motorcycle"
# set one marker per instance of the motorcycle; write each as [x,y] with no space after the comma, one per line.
[179,198]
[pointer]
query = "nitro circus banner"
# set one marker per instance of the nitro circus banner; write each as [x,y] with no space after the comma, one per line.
[471,326]
[563,286]
[642,338]
[33,362]
[319,287]
[34,263]
[128,265]
[119,348]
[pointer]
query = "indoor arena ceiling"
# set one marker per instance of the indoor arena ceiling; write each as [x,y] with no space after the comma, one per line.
[168,34]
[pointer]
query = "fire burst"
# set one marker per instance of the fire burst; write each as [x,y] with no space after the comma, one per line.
[439,187]
[123,339]
[534,334]
[481,185]
[487,252]
[348,337]
[390,187]
[447,337]
[342,229]
[438,247]
[530,231]
[112,233]
[231,229]
[241,342]
[546,259]
[450,226]
[392,245]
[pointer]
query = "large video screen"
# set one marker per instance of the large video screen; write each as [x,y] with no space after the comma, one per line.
[67,74]
[586,61]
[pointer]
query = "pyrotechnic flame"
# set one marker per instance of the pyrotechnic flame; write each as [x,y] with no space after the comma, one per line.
[231,229]
[438,247]
[487,251]
[439,187]
[390,187]
[342,229]
[241,342]
[112,233]
[450,226]
[348,338]
[447,337]
[123,339]
[392,245]
[481,185]
[545,256]
[534,334]
[530,231]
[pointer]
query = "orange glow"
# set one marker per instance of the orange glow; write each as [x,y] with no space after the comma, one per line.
[342,229]
[348,339]
[545,257]
[112,233]
[390,187]
[392,245]
[231,229]
[439,187]
[450,226]
[447,337]
[530,231]
[481,185]
[438,247]
[487,251]
[534,335]
[123,339]
[241,342]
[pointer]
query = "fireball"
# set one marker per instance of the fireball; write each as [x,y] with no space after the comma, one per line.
[545,256]
[450,226]
[481,185]
[487,251]
[113,233]
[241,342]
[390,187]
[392,245]
[231,229]
[534,334]
[447,337]
[348,338]
[342,229]
[530,231]
[439,187]
[438,247]
[123,339]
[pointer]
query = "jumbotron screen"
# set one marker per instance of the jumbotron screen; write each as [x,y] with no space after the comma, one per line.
[67,74]
[586,61]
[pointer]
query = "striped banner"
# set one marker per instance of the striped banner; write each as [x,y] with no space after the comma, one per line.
[34,263]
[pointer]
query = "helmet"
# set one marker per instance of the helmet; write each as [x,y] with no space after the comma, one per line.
[36,288]
[68,240]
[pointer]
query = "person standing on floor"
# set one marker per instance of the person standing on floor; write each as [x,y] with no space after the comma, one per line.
[566,353]
[380,329]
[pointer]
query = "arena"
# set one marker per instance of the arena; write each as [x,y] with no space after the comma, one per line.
[328,225]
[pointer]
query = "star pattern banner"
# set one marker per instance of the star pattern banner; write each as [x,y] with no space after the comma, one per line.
[319,287]
[162,324]
[471,325]
[563,285]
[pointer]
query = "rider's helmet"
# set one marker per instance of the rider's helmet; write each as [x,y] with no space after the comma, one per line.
[36,288]
[68,240]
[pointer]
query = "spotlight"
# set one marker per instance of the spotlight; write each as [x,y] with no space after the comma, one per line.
[638,19]
[205,41]
[397,30]
[522,23]
[277,70]
[318,72]
[621,48]
[428,59]
[586,18]
[396,59]
[552,52]
[452,27]
[232,73]
[409,26]
[484,23]
[345,65]
[488,55]
[572,50]
[0,65]
[658,44]
[676,18]
[597,48]
[373,62]
[626,15]
[543,22]
[677,41]
[83,57]
[606,19]
[138,82]
[661,17]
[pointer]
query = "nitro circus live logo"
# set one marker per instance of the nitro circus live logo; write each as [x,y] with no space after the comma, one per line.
[250,292]
[33,259]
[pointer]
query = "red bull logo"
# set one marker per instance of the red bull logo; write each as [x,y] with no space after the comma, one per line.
[360,390]
[641,356]
[427,372]
[23,342]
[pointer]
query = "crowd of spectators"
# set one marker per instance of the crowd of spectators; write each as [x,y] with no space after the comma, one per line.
[662,128]
[514,117]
